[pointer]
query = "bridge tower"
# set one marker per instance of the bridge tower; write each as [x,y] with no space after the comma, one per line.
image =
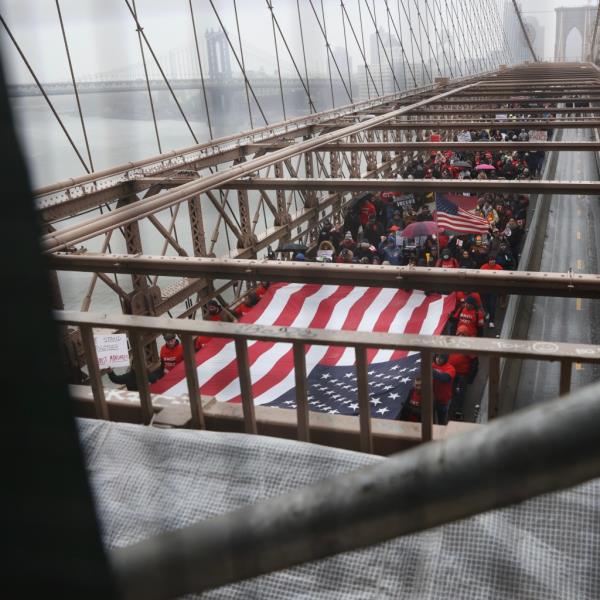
[580,18]
[219,64]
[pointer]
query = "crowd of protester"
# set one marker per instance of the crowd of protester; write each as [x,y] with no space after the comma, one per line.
[371,233]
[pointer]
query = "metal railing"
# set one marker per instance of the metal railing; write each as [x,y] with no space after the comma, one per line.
[241,334]
[542,449]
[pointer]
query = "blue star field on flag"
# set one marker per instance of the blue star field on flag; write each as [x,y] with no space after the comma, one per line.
[334,390]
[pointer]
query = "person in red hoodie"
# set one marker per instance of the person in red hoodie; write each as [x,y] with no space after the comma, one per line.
[469,316]
[171,353]
[443,383]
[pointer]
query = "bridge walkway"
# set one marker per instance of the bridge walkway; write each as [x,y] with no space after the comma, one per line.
[572,242]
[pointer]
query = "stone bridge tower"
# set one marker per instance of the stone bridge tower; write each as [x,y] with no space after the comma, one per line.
[581,18]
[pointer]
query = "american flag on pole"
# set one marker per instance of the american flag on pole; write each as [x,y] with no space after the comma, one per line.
[326,307]
[456,220]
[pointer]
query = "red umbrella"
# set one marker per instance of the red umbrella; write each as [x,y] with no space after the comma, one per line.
[420,228]
[484,167]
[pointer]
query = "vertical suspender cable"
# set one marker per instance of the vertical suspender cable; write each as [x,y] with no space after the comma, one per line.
[238,61]
[85,137]
[412,49]
[328,51]
[380,41]
[346,49]
[168,84]
[431,53]
[43,92]
[304,85]
[310,103]
[405,62]
[139,32]
[377,44]
[270,5]
[210,131]
[237,24]
[363,51]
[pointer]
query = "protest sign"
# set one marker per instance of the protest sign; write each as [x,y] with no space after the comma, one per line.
[112,350]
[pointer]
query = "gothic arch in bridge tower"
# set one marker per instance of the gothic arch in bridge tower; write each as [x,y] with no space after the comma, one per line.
[579,18]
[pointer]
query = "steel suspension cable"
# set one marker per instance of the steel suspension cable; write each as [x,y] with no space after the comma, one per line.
[491,26]
[461,47]
[444,27]
[270,6]
[419,25]
[166,80]
[507,47]
[473,27]
[382,45]
[237,24]
[470,59]
[210,130]
[304,85]
[238,61]
[452,39]
[81,119]
[420,17]
[346,49]
[43,92]
[377,45]
[431,56]
[310,104]
[329,52]
[328,60]
[412,49]
[363,50]
[424,69]
[143,54]
[405,62]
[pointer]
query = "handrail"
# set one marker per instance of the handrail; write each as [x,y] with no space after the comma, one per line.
[242,333]
[543,449]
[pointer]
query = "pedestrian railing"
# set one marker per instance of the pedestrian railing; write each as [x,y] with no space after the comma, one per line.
[138,328]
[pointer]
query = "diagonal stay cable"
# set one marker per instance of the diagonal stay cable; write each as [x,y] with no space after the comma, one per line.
[81,119]
[168,84]
[405,62]
[304,55]
[145,66]
[329,52]
[239,35]
[362,53]
[382,45]
[235,55]
[270,5]
[43,91]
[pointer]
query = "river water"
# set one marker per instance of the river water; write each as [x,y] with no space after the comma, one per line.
[120,129]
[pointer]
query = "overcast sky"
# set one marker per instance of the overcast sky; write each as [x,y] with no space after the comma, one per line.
[101,33]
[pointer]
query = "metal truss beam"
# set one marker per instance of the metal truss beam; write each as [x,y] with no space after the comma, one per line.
[483,124]
[422,185]
[529,283]
[402,146]
[98,225]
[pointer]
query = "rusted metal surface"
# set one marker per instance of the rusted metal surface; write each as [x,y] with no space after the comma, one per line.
[528,349]
[576,285]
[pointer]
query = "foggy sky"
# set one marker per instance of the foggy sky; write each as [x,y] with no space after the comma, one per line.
[102,38]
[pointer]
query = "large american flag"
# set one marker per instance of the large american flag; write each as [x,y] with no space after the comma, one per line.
[326,307]
[454,219]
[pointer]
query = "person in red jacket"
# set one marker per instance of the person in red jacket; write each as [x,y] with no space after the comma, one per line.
[171,353]
[411,411]
[446,261]
[466,368]
[246,306]
[490,300]
[443,383]
[214,312]
[469,316]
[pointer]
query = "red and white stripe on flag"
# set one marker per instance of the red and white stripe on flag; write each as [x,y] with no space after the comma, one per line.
[315,306]
[462,222]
